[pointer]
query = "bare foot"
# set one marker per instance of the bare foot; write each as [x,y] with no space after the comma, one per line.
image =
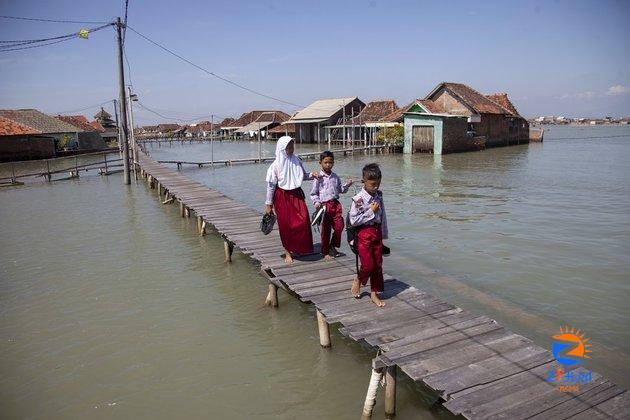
[376,300]
[288,259]
[356,288]
[329,257]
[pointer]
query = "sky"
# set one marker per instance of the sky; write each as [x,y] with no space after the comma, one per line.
[563,58]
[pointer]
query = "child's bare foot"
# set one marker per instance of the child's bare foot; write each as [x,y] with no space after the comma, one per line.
[376,300]
[356,288]
[328,257]
[288,259]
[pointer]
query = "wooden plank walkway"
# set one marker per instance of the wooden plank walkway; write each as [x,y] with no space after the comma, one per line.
[303,156]
[477,367]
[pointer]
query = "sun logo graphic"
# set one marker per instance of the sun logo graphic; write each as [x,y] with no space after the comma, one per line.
[570,347]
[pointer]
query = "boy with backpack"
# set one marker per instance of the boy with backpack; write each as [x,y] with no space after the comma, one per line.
[368,224]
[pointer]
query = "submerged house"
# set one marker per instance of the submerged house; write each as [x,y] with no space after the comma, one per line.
[325,119]
[21,142]
[453,117]
[103,119]
[88,139]
[65,135]
[263,123]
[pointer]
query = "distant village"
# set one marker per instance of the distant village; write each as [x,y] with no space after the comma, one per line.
[453,117]
[554,120]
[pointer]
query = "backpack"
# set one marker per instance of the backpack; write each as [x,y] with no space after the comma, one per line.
[351,234]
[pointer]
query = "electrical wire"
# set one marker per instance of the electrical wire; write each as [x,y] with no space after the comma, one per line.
[82,109]
[214,74]
[52,20]
[141,105]
[35,43]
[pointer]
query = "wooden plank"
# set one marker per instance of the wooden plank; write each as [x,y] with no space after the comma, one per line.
[617,407]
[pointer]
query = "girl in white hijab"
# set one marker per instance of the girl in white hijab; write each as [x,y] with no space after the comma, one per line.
[284,193]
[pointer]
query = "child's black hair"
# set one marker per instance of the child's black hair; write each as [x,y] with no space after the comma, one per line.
[325,154]
[372,172]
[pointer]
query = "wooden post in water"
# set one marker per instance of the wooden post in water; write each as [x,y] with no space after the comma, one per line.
[228,247]
[324,331]
[182,209]
[199,225]
[390,392]
[272,296]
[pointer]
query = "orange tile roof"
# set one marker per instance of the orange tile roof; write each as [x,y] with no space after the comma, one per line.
[11,128]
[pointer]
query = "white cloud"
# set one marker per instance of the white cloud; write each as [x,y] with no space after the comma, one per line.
[581,95]
[618,90]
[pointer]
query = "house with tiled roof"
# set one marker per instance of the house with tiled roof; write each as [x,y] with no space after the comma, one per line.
[21,142]
[454,117]
[103,119]
[263,121]
[90,138]
[65,135]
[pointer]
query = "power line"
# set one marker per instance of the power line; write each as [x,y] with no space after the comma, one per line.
[82,109]
[52,20]
[153,111]
[35,43]
[214,74]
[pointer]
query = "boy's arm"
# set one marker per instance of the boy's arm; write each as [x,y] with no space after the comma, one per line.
[358,216]
[343,188]
[315,192]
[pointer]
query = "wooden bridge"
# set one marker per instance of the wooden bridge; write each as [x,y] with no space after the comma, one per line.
[478,368]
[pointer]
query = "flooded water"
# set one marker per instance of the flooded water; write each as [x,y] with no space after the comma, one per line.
[113,306]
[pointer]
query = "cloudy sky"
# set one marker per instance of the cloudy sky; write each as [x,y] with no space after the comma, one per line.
[568,58]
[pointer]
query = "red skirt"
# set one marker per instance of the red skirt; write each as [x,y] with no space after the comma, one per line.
[293,221]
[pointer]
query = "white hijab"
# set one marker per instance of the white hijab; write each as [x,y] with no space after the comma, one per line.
[286,171]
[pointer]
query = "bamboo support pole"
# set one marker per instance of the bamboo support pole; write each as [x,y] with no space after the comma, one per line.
[324,331]
[370,397]
[272,296]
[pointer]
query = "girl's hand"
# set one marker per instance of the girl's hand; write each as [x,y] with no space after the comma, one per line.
[318,205]
[374,206]
[349,183]
[315,174]
[268,208]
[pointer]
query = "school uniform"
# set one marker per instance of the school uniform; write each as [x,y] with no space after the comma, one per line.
[369,238]
[284,192]
[325,191]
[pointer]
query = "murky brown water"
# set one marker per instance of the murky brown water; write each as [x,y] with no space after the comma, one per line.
[111,305]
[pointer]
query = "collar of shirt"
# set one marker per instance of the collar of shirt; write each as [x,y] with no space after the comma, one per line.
[366,196]
[325,175]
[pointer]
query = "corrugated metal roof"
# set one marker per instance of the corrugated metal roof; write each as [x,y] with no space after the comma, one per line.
[321,109]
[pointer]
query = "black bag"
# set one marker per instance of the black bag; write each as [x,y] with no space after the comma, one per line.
[351,234]
[267,222]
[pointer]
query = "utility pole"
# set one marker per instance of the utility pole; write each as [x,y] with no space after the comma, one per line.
[123,105]
[344,125]
[212,140]
[134,146]
[117,126]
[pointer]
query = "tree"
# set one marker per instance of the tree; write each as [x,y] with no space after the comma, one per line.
[395,135]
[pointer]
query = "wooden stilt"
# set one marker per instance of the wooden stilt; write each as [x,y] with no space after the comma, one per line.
[272,296]
[390,392]
[229,248]
[186,212]
[199,225]
[159,189]
[182,209]
[324,331]
[203,228]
